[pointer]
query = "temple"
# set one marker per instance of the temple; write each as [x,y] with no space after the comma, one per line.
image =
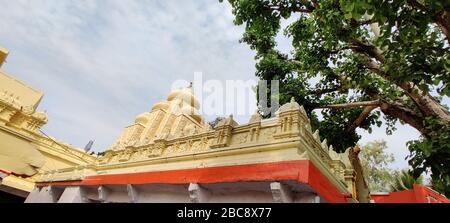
[170,154]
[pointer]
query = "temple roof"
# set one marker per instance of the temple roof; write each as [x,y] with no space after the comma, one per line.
[178,115]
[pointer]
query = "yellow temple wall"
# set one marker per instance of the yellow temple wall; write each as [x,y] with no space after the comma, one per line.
[24,150]
[22,92]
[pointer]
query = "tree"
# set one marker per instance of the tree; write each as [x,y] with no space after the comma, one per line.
[404,180]
[375,162]
[381,178]
[370,60]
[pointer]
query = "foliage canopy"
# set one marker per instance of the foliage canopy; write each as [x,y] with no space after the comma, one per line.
[361,62]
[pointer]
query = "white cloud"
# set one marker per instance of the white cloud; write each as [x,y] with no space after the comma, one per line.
[100,63]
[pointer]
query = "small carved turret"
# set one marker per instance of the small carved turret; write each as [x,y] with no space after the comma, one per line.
[292,118]
[223,132]
[255,126]
[255,117]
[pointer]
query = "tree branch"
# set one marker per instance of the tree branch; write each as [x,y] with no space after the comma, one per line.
[424,101]
[405,114]
[315,3]
[442,19]
[364,114]
[366,22]
[279,8]
[296,62]
[399,110]
[361,47]
[375,103]
[341,49]
[319,92]
[355,24]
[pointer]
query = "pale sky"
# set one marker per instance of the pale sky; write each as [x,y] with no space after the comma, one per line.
[101,63]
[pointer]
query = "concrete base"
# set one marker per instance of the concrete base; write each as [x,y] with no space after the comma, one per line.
[238,192]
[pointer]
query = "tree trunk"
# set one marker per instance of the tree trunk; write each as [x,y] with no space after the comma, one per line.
[443,21]
[405,114]
[427,104]
[362,189]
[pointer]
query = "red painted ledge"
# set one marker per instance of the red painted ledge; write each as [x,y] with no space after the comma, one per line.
[302,171]
[419,194]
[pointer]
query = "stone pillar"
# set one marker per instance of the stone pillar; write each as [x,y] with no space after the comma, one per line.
[307,197]
[46,194]
[73,195]
[133,193]
[103,193]
[33,195]
[281,193]
[198,194]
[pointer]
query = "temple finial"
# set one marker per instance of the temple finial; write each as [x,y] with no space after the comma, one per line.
[292,100]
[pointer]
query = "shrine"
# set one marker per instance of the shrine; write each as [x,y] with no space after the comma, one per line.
[170,154]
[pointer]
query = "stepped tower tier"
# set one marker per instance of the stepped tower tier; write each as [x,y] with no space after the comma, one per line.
[177,116]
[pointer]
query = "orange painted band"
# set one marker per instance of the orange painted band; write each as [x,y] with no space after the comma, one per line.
[302,171]
[5,172]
